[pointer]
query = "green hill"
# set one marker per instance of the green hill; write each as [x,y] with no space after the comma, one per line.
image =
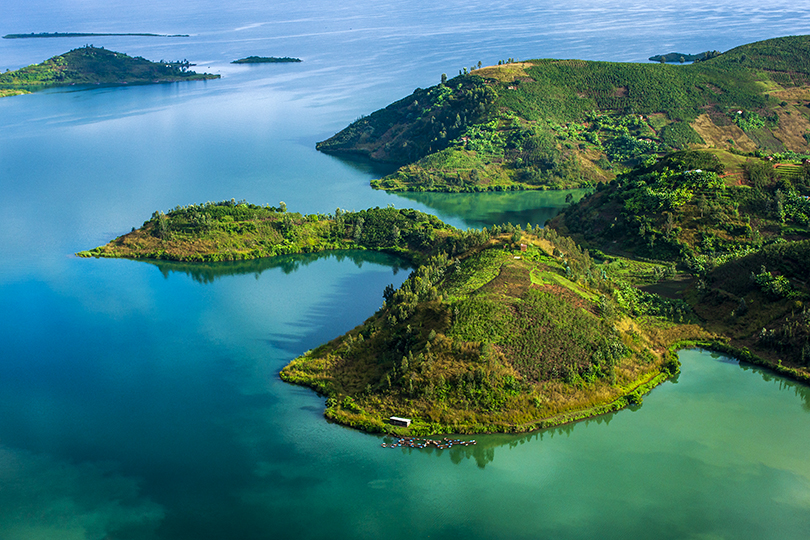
[567,123]
[93,65]
[743,237]
[483,336]
[499,340]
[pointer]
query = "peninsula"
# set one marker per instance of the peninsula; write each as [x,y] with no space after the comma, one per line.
[92,65]
[516,328]
[552,124]
[506,329]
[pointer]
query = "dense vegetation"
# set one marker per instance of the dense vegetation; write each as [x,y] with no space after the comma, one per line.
[567,123]
[93,65]
[265,60]
[483,336]
[235,231]
[500,339]
[744,239]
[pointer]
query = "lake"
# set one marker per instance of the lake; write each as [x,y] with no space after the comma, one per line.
[141,400]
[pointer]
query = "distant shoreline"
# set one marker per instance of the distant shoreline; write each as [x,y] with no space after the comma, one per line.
[83,34]
[265,60]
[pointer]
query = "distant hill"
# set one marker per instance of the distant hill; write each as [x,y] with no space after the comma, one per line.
[266,60]
[681,57]
[546,124]
[84,34]
[93,65]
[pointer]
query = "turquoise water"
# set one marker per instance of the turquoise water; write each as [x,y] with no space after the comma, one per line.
[141,400]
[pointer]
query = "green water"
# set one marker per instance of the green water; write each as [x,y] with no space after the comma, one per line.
[141,400]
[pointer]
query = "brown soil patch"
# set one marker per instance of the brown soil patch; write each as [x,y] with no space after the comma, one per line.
[715,135]
[800,93]
[504,72]
[792,128]
[621,91]
[514,280]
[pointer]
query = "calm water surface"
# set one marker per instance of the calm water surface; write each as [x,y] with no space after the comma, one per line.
[141,400]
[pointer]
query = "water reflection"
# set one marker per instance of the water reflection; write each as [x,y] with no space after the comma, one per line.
[483,452]
[802,391]
[486,209]
[209,272]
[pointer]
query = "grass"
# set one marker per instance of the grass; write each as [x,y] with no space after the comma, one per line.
[504,343]
[558,124]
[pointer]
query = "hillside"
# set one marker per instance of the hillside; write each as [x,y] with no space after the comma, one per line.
[500,340]
[743,238]
[483,336]
[93,65]
[546,124]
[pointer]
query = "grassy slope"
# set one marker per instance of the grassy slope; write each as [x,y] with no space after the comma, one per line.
[502,340]
[565,123]
[91,65]
[745,242]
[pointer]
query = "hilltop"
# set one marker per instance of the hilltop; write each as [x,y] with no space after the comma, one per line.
[93,65]
[543,124]
[502,339]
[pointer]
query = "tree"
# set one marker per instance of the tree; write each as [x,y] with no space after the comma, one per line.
[282,206]
[444,79]
[479,64]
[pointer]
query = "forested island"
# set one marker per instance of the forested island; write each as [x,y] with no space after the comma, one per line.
[84,34]
[552,124]
[94,65]
[266,60]
[513,328]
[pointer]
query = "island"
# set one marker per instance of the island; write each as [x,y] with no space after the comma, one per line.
[682,57]
[85,34]
[266,60]
[93,65]
[554,124]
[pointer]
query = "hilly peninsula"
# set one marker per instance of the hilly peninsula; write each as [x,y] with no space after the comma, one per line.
[93,65]
[503,329]
[552,124]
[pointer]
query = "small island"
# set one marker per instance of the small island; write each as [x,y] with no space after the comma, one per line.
[266,60]
[93,65]
[85,34]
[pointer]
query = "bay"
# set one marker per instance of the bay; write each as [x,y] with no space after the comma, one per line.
[142,399]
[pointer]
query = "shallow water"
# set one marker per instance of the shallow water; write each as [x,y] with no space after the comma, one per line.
[142,400]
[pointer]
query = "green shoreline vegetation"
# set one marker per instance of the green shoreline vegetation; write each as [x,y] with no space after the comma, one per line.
[94,65]
[266,60]
[511,328]
[482,337]
[559,124]
[84,34]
